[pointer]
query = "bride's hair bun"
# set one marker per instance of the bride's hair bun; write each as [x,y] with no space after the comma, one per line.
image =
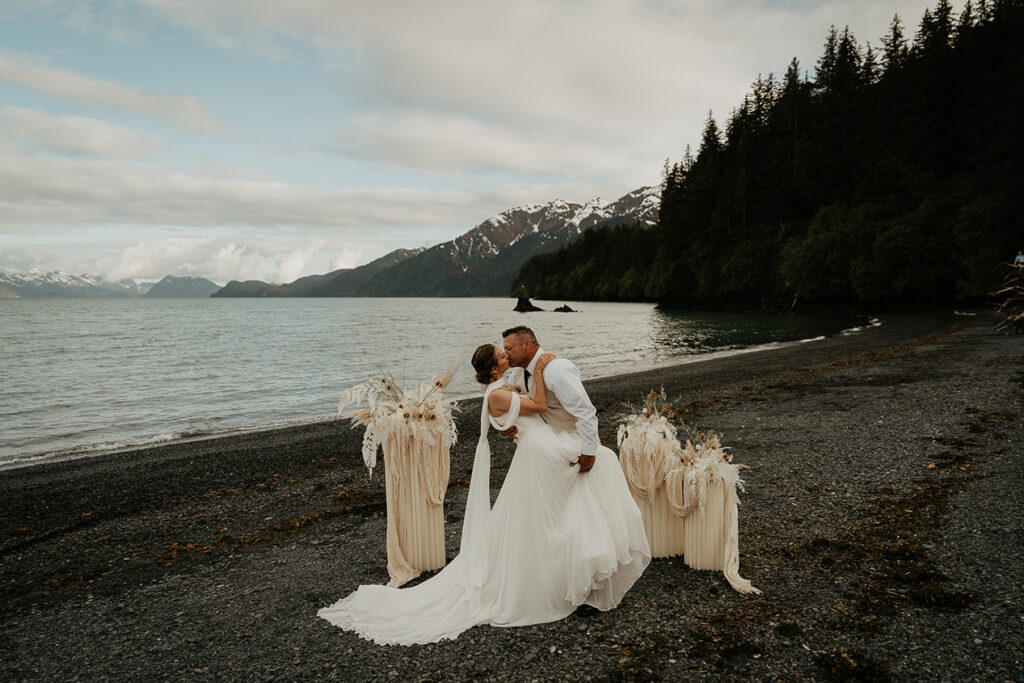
[484,361]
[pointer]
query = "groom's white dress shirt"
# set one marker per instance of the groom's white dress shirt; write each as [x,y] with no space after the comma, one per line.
[570,408]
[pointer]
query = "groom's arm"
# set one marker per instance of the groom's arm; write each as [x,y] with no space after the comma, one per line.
[563,379]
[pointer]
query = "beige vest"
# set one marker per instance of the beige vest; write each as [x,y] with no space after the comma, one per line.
[558,417]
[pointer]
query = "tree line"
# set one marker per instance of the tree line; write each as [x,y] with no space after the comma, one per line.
[890,178]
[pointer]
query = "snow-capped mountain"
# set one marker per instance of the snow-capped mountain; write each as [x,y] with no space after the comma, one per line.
[481,262]
[484,260]
[58,284]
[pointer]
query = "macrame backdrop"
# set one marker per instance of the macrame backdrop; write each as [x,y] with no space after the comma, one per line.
[415,431]
[415,481]
[687,496]
[648,451]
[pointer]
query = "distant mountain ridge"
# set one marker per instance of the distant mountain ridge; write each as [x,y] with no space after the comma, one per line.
[344,282]
[481,262]
[182,288]
[58,284]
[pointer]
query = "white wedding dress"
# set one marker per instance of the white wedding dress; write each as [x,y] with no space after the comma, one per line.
[555,539]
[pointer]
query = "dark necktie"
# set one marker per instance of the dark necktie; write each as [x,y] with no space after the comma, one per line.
[526,379]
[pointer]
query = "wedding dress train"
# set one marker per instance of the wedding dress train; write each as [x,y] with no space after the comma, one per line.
[555,539]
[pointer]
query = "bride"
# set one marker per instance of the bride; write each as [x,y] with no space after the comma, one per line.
[555,539]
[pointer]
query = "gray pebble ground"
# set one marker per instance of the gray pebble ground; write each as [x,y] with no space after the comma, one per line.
[881,518]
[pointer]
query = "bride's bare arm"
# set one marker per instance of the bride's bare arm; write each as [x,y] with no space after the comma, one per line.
[500,400]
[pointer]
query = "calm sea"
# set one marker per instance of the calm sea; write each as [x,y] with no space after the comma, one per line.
[80,376]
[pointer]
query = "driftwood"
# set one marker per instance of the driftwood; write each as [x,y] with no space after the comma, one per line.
[1010,306]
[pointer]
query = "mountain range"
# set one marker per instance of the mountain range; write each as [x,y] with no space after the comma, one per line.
[57,284]
[481,262]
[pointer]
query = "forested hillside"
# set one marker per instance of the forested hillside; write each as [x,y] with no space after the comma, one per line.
[892,177]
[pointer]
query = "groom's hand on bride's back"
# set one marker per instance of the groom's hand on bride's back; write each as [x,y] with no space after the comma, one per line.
[510,432]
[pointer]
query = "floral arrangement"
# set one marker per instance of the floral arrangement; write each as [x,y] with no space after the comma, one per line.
[649,421]
[651,455]
[420,415]
[706,461]
[704,445]
[648,447]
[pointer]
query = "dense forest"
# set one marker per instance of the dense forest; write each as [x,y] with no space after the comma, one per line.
[893,177]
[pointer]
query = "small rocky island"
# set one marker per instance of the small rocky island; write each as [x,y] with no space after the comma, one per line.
[524,305]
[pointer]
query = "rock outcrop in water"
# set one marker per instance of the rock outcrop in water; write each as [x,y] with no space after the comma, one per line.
[524,305]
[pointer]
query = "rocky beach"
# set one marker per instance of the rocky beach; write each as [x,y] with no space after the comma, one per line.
[880,518]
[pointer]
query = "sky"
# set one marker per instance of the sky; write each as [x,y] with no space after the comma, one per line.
[261,139]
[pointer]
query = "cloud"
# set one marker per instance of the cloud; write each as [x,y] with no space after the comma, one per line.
[57,194]
[220,260]
[185,112]
[429,141]
[291,265]
[596,87]
[347,258]
[75,135]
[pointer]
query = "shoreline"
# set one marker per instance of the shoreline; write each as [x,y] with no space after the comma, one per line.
[877,519]
[108,449]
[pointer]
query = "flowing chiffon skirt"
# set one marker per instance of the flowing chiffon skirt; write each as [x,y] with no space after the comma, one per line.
[557,540]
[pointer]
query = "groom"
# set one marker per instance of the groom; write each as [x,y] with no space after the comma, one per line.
[569,407]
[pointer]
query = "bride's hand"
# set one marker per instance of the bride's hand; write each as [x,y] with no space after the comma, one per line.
[543,361]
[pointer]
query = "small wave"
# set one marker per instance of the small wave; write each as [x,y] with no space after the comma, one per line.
[85,451]
[873,322]
[111,447]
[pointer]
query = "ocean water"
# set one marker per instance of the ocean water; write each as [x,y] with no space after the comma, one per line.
[80,376]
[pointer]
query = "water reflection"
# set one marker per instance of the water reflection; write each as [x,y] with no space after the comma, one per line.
[688,332]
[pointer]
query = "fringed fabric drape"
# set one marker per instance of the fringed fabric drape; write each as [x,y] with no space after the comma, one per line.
[648,451]
[415,431]
[416,477]
[687,496]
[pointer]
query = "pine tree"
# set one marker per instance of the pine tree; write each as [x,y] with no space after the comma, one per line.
[934,36]
[710,139]
[825,69]
[894,46]
[965,23]
[869,67]
[848,64]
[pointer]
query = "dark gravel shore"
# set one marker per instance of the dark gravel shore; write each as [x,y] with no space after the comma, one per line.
[881,519]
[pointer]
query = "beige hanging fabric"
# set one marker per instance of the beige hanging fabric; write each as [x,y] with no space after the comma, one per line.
[702,492]
[687,496]
[415,431]
[648,451]
[416,476]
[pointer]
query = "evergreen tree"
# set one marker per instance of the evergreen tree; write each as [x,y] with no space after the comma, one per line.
[869,67]
[934,36]
[825,69]
[894,47]
[965,23]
